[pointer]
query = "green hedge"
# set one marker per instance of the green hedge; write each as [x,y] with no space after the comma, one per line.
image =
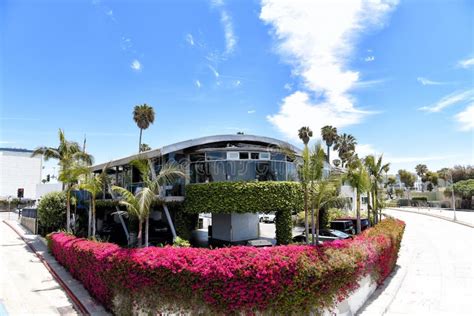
[52,212]
[284,198]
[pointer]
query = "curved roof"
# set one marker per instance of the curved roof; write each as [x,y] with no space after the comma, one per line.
[200,142]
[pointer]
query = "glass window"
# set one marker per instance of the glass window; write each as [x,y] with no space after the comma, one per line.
[243,155]
[216,155]
[278,156]
[197,157]
[241,170]
[254,156]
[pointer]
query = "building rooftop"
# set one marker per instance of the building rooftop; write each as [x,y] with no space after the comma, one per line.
[17,150]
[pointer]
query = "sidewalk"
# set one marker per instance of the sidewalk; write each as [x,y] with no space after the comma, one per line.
[464,217]
[29,288]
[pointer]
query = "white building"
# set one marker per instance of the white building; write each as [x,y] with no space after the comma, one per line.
[18,170]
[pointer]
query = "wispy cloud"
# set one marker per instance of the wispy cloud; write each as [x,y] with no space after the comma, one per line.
[6,142]
[197,83]
[250,111]
[190,39]
[214,71]
[317,39]
[369,58]
[418,159]
[227,24]
[19,119]
[288,86]
[449,100]
[466,118]
[136,65]
[427,82]
[466,63]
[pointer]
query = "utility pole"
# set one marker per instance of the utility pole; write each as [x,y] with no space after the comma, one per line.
[452,196]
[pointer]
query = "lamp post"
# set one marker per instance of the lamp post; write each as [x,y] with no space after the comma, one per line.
[452,196]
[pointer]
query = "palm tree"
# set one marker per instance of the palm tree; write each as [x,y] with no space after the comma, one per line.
[305,133]
[345,145]
[144,116]
[169,172]
[72,162]
[376,170]
[421,171]
[138,205]
[144,147]
[359,180]
[94,184]
[316,166]
[329,135]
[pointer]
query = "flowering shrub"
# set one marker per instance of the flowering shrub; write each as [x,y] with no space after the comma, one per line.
[277,280]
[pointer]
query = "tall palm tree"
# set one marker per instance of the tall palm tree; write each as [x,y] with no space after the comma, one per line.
[329,135]
[144,116]
[305,133]
[345,145]
[169,172]
[359,180]
[72,163]
[316,166]
[376,169]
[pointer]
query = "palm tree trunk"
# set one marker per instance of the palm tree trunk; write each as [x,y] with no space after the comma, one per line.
[68,210]
[89,219]
[94,222]
[147,223]
[368,209]
[140,229]
[328,153]
[374,195]
[317,227]
[306,214]
[140,141]
[358,212]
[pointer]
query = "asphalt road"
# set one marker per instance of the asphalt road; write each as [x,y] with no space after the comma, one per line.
[435,273]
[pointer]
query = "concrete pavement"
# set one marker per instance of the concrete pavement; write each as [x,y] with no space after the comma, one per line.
[435,270]
[26,286]
[465,217]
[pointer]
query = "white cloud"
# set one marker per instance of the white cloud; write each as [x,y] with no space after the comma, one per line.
[466,63]
[198,83]
[449,100]
[317,38]
[136,65]
[298,110]
[227,24]
[250,111]
[369,58]
[237,83]
[418,159]
[126,43]
[288,86]
[428,82]
[190,39]
[214,71]
[366,149]
[466,118]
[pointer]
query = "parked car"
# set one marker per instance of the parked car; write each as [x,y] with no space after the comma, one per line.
[267,218]
[345,226]
[364,222]
[325,235]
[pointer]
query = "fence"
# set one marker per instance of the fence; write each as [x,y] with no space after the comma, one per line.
[29,219]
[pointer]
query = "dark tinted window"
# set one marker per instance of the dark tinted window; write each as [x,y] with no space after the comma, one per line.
[216,155]
[243,155]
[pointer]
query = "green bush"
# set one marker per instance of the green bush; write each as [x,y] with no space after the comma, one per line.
[52,212]
[248,197]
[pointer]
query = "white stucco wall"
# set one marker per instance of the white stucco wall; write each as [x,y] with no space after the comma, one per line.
[19,170]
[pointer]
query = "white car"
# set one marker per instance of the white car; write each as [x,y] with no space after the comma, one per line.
[267,218]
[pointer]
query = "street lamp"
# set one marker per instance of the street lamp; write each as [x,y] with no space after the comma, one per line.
[452,195]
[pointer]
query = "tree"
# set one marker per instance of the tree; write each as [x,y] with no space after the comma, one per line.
[391,181]
[345,145]
[329,135]
[432,179]
[93,184]
[376,169]
[421,171]
[408,179]
[316,166]
[73,162]
[305,133]
[144,116]
[144,147]
[169,172]
[359,180]
[336,162]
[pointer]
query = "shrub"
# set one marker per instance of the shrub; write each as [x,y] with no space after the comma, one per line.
[248,197]
[52,212]
[235,280]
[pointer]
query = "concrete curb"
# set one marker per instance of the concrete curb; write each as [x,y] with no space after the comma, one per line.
[80,297]
[432,215]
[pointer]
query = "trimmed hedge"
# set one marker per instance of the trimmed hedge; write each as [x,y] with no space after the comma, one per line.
[280,280]
[281,197]
[52,212]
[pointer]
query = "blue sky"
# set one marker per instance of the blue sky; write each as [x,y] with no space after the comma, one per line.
[399,76]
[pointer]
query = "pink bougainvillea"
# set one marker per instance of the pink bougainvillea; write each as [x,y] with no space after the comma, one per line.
[280,280]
